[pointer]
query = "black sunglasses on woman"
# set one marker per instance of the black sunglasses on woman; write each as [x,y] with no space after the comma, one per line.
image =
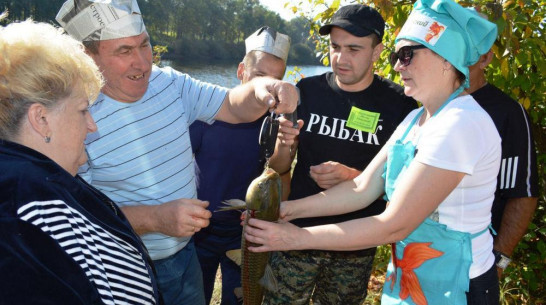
[404,54]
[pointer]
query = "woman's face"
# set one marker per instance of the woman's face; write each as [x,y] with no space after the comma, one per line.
[70,122]
[423,74]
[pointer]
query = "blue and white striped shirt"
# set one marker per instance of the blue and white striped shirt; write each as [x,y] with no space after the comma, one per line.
[141,153]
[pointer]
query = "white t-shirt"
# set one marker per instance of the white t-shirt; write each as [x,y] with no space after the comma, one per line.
[463,138]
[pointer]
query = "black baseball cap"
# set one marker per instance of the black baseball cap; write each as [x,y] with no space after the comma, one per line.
[357,19]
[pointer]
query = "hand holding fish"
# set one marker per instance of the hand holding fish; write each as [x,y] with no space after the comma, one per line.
[331,173]
[270,236]
[182,217]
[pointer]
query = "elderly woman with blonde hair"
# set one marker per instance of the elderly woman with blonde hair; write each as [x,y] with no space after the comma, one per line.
[61,240]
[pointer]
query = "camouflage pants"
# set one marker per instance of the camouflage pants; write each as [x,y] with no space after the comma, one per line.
[326,277]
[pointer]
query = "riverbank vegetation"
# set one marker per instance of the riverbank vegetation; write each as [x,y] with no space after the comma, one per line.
[196,31]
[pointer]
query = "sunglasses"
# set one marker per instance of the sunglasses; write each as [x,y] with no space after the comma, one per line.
[404,55]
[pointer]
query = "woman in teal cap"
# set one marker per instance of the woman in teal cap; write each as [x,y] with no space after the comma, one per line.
[438,171]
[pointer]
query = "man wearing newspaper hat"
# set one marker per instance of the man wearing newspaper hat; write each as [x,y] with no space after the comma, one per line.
[228,158]
[141,154]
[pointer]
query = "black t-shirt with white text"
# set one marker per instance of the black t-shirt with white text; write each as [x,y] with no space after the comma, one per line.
[325,109]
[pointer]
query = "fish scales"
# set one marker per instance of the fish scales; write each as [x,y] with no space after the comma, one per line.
[263,200]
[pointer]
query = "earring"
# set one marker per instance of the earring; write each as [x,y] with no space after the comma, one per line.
[47,139]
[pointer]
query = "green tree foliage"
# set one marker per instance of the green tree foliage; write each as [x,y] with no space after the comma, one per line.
[193,31]
[41,10]
[214,30]
[519,69]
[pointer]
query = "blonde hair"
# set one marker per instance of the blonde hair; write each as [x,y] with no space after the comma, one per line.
[40,64]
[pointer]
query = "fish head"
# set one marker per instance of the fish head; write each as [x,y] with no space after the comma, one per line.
[263,196]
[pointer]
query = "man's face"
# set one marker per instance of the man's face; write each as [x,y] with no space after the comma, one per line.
[265,65]
[352,59]
[126,64]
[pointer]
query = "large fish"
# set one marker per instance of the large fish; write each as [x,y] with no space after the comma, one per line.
[262,201]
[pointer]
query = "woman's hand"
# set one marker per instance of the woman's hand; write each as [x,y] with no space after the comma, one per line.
[270,236]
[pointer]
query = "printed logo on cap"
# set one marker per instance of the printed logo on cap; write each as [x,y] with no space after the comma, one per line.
[424,28]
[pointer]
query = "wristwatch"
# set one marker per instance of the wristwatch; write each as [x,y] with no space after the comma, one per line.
[501,260]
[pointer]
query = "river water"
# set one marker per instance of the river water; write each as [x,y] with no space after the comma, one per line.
[226,74]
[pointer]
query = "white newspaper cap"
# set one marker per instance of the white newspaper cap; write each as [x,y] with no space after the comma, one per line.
[92,20]
[270,41]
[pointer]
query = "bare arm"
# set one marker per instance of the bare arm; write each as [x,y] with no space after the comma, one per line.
[178,218]
[286,146]
[348,196]
[517,215]
[248,102]
[418,194]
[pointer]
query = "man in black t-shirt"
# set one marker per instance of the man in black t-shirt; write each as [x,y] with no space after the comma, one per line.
[348,115]
[517,185]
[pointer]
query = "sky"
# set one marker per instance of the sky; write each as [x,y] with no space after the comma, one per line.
[286,13]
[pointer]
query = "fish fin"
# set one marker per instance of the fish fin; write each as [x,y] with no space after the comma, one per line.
[269,281]
[235,256]
[238,294]
[232,204]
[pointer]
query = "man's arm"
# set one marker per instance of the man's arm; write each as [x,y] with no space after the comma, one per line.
[330,173]
[285,146]
[248,102]
[285,152]
[182,217]
[517,215]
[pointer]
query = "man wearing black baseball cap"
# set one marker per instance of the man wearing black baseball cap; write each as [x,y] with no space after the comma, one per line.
[359,20]
[348,116]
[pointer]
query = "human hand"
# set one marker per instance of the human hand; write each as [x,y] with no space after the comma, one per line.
[280,96]
[287,133]
[182,217]
[284,213]
[270,236]
[331,173]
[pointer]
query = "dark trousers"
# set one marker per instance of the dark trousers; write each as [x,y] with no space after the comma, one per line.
[211,245]
[484,289]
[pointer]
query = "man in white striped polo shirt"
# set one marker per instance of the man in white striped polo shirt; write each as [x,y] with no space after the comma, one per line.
[141,155]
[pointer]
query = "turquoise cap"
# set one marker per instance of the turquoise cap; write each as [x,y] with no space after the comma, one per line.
[458,34]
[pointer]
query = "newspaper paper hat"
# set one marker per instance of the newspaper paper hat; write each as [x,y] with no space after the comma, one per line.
[458,34]
[92,20]
[270,41]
